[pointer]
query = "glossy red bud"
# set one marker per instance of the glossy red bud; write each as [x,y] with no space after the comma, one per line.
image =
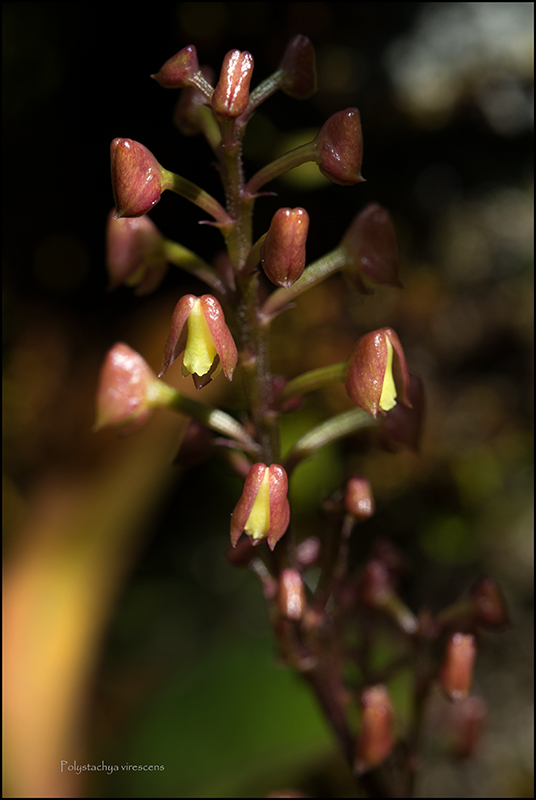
[283,250]
[339,148]
[179,70]
[231,95]
[138,180]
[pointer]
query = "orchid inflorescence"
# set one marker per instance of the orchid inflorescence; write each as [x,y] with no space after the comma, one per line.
[228,331]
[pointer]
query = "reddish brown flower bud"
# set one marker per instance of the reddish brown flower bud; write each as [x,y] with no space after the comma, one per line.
[376,733]
[358,498]
[376,586]
[466,721]
[339,148]
[178,70]
[283,250]
[402,424]
[138,180]
[128,390]
[263,510]
[456,675]
[377,376]
[298,64]
[492,609]
[292,601]
[231,95]
[134,253]
[371,248]
[199,330]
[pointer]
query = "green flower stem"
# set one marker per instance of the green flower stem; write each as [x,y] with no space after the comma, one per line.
[330,431]
[196,195]
[180,256]
[215,419]
[315,273]
[462,610]
[315,379]
[254,255]
[264,90]
[210,128]
[202,85]
[295,158]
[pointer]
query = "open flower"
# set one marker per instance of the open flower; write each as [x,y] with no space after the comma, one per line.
[263,510]
[199,330]
[134,253]
[376,375]
[128,390]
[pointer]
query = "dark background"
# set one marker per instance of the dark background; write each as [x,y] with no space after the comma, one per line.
[449,152]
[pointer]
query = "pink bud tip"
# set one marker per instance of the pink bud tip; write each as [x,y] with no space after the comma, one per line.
[339,148]
[179,70]
[231,95]
[137,178]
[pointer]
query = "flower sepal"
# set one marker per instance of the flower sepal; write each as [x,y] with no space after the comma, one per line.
[263,510]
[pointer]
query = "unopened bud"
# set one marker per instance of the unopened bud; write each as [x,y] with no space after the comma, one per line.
[376,375]
[371,249]
[231,95]
[376,734]
[138,180]
[358,498]
[134,253]
[179,70]
[298,64]
[492,609]
[292,601]
[283,250]
[456,675]
[339,148]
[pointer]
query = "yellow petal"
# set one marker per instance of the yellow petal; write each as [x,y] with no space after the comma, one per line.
[200,350]
[258,522]
[388,395]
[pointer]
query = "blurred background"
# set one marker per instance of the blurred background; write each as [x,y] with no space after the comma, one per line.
[128,638]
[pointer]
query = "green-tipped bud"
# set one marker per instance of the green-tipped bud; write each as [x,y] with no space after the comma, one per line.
[231,95]
[198,329]
[138,180]
[263,510]
[283,250]
[298,64]
[377,376]
[339,148]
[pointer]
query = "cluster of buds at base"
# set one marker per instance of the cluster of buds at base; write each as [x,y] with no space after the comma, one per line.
[199,330]
[371,249]
[456,674]
[138,180]
[376,375]
[263,510]
[128,390]
[376,734]
[134,253]
[283,250]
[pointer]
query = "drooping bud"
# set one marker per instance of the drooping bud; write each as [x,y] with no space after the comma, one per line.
[134,253]
[179,70]
[339,148]
[128,390]
[198,329]
[377,376]
[358,498]
[371,249]
[298,64]
[292,601]
[403,425]
[492,609]
[456,675]
[231,95]
[283,250]
[263,510]
[376,734]
[138,180]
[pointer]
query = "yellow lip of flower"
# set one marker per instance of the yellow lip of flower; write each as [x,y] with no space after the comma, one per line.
[258,522]
[200,348]
[388,395]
